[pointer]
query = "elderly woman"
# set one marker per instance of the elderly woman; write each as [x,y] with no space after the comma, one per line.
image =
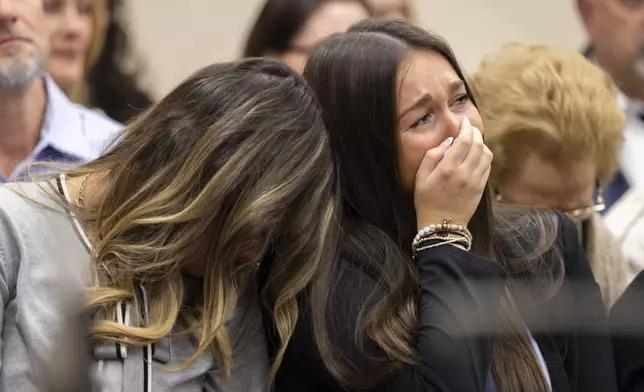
[552,121]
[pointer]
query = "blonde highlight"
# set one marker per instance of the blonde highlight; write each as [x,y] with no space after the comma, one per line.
[232,164]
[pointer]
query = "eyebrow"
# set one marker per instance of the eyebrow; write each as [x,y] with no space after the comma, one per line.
[426,98]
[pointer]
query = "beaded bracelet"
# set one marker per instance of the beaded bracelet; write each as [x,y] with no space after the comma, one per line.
[445,227]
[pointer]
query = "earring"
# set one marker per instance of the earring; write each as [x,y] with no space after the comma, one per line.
[498,197]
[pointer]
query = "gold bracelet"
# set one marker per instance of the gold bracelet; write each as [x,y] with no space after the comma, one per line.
[449,242]
[458,238]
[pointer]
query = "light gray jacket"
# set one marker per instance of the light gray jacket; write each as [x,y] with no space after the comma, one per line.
[44,270]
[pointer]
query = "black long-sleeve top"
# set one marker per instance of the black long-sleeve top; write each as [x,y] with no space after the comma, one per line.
[627,327]
[459,291]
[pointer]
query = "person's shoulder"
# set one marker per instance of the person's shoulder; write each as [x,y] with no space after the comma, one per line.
[26,195]
[97,123]
[24,202]
[100,130]
[24,208]
[64,112]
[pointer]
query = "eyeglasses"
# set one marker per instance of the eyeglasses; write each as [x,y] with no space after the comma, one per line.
[580,214]
[585,213]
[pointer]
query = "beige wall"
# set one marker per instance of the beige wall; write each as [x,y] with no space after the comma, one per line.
[175,37]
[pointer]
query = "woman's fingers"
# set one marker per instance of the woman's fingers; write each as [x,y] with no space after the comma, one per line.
[432,158]
[485,161]
[482,172]
[485,177]
[456,154]
[473,158]
[450,180]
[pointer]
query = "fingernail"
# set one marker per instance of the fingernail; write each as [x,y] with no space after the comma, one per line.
[466,122]
[447,142]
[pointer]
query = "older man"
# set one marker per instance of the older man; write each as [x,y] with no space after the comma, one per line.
[616,31]
[37,121]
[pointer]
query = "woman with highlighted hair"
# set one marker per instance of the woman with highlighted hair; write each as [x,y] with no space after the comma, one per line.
[163,235]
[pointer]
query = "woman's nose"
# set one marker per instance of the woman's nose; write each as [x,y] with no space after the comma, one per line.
[73,23]
[453,124]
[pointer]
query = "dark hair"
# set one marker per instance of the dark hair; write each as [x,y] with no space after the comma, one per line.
[111,88]
[279,21]
[355,77]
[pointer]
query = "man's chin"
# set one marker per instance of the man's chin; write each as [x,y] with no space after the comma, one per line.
[19,71]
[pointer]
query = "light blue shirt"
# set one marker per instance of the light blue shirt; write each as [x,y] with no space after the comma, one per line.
[70,133]
[542,361]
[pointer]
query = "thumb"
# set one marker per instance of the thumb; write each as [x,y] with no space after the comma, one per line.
[432,158]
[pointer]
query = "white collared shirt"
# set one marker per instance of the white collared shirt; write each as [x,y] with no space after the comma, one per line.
[70,133]
[632,154]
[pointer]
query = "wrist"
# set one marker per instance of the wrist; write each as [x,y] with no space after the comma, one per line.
[429,220]
[443,234]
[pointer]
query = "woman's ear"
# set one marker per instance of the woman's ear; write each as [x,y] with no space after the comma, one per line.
[496,193]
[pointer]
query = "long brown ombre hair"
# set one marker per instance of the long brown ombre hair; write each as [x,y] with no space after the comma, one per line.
[232,162]
[355,76]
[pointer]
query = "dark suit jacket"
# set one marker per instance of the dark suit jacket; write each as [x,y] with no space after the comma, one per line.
[627,327]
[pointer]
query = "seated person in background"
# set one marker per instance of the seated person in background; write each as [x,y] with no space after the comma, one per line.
[37,120]
[553,124]
[615,31]
[88,48]
[72,28]
[287,30]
